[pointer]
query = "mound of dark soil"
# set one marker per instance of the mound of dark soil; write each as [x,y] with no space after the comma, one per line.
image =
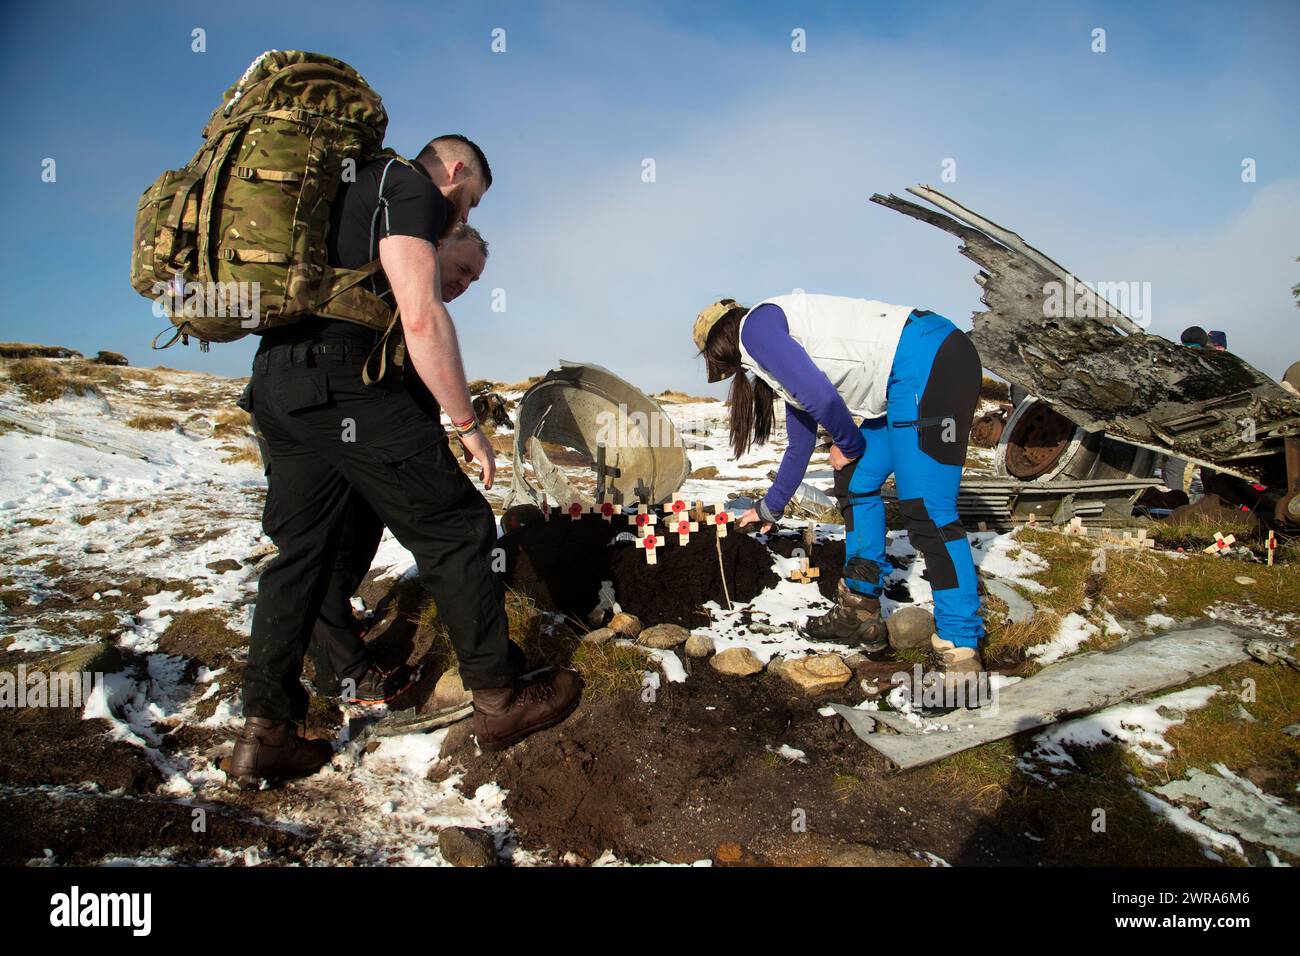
[561,563]
[84,828]
[695,774]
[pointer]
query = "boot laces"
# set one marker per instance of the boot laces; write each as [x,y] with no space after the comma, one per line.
[534,691]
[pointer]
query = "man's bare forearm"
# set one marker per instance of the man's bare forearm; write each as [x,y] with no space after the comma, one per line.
[433,348]
[431,344]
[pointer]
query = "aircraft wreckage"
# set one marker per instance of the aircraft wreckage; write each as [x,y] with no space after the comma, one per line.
[1107,398]
[1108,402]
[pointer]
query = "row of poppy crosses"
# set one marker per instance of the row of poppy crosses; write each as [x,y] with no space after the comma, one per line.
[677,516]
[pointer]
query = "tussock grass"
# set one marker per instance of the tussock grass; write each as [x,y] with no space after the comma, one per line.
[607,669]
[246,451]
[232,423]
[674,397]
[20,350]
[1008,642]
[981,774]
[151,422]
[40,381]
[995,391]
[523,386]
[1217,733]
[1195,535]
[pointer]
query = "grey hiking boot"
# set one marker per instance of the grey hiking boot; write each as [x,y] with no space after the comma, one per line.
[855,620]
[955,676]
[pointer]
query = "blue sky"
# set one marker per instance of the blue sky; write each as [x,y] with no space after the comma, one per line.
[1123,165]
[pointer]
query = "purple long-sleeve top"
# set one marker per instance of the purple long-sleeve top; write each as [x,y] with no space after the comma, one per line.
[766,336]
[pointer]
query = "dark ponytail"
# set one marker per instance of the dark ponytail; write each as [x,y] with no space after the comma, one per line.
[751,399]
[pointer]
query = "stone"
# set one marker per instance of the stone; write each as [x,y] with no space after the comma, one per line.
[462,846]
[600,635]
[460,736]
[626,625]
[729,853]
[449,691]
[1244,580]
[816,674]
[910,628]
[698,645]
[224,566]
[663,636]
[860,854]
[736,662]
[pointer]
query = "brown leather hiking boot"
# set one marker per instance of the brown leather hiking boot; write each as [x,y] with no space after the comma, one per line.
[506,715]
[855,620]
[272,751]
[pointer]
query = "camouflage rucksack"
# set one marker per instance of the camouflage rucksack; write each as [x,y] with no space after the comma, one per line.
[236,241]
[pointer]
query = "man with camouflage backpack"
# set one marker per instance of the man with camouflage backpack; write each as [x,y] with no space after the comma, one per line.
[330,434]
[293,196]
[344,666]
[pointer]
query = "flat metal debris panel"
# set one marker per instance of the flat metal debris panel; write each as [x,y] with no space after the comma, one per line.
[1078,685]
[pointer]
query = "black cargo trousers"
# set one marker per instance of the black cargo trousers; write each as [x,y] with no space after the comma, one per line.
[329,435]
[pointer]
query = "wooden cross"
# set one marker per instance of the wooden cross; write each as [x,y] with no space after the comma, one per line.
[575,510]
[607,509]
[721,517]
[648,543]
[643,518]
[804,574]
[1221,544]
[678,506]
[604,471]
[682,527]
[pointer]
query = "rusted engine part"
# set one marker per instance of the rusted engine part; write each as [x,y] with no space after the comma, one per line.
[491,407]
[1106,374]
[987,428]
[1040,444]
[1002,503]
[633,445]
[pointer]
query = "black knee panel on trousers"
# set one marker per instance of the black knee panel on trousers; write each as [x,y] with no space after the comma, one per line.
[931,540]
[860,569]
[947,406]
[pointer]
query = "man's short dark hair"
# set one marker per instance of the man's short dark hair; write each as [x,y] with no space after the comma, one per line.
[431,150]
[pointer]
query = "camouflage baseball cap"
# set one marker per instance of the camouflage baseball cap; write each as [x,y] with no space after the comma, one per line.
[710,317]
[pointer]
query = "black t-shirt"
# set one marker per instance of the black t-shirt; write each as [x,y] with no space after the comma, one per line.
[415,207]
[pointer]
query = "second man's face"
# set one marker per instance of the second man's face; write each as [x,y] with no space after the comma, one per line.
[459,265]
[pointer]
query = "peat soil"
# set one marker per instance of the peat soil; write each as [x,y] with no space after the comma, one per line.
[695,772]
[561,564]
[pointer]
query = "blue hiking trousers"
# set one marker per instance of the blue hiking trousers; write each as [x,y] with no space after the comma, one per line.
[933,390]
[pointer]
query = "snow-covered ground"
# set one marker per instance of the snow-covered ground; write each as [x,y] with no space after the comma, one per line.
[171,508]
